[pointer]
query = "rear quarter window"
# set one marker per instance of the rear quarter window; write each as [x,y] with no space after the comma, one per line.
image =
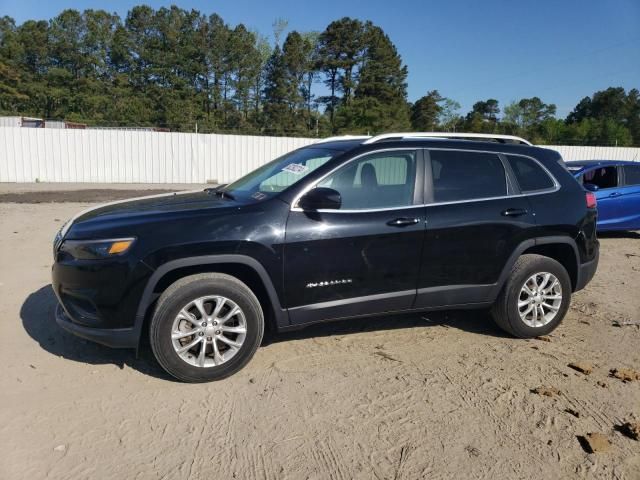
[530,175]
[632,174]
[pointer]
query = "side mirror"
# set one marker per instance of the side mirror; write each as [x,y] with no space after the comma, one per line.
[321,198]
[592,187]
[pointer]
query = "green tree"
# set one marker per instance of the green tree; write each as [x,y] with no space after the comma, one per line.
[426,111]
[245,62]
[264,53]
[581,111]
[528,112]
[449,118]
[310,64]
[483,117]
[608,117]
[284,103]
[380,99]
[295,61]
[276,94]
[340,51]
[12,99]
[175,68]
[632,112]
[526,118]
[217,71]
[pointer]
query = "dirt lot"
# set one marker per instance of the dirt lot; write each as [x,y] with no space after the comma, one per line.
[421,396]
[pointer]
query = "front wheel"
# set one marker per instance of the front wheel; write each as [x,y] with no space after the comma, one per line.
[535,299]
[206,327]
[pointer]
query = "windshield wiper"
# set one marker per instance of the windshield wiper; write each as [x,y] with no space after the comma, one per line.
[220,193]
[223,194]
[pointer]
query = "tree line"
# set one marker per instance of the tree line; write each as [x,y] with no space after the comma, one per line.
[175,68]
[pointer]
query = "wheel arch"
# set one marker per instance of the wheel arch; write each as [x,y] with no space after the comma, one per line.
[563,253]
[246,269]
[560,248]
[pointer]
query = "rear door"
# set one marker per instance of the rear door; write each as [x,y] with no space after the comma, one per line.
[629,200]
[475,220]
[364,257]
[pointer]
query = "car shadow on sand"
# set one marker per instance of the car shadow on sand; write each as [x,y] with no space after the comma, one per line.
[473,321]
[38,318]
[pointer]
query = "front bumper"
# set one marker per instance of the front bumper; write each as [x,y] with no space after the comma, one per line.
[111,337]
[586,271]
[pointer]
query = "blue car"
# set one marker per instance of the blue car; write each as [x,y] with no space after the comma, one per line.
[617,187]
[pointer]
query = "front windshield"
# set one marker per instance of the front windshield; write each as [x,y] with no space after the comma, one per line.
[280,174]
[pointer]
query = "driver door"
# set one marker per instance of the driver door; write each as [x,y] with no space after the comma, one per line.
[364,257]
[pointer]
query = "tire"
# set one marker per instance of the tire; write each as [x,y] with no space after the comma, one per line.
[506,312]
[212,287]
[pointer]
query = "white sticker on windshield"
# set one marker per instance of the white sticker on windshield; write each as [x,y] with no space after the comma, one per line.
[295,168]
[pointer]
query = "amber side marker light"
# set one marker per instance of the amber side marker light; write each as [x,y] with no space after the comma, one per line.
[120,246]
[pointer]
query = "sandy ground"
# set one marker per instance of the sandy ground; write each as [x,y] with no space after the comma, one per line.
[438,396]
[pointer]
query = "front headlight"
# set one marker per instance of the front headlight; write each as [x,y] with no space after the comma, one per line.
[96,249]
[57,240]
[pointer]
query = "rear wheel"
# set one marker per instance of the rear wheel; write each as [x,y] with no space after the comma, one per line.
[206,327]
[535,298]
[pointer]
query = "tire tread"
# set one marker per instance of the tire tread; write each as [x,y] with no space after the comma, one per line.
[500,308]
[164,303]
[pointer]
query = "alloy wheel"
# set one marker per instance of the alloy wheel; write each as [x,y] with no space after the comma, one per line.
[208,331]
[540,299]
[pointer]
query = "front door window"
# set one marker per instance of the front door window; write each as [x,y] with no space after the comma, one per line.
[379,180]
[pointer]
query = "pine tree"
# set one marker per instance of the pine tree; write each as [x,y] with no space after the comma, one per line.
[340,50]
[380,100]
[310,64]
[483,117]
[425,112]
[276,95]
[245,63]
[295,63]
[12,99]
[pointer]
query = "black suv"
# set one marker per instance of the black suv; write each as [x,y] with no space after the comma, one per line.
[338,229]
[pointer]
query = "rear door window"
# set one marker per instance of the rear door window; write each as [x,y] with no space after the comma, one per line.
[632,174]
[530,175]
[466,175]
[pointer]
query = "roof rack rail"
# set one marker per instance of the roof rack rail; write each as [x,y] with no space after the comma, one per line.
[443,135]
[343,137]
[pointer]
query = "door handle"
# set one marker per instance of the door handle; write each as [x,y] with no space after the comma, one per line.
[403,222]
[615,194]
[514,212]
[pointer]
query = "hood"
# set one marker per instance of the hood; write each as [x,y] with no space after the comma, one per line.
[130,209]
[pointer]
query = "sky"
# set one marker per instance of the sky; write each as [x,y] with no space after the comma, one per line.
[469,50]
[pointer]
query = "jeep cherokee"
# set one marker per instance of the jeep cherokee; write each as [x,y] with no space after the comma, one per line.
[342,228]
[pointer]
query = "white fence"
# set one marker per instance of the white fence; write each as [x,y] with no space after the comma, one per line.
[118,156]
[596,153]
